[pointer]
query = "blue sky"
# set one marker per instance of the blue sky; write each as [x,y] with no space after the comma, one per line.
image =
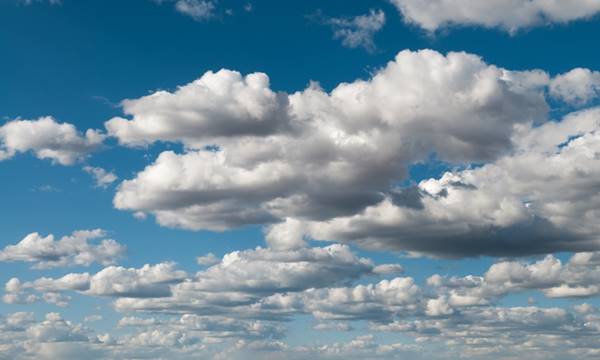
[435,189]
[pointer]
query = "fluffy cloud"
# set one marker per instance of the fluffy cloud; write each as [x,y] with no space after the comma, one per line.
[102,177]
[52,338]
[47,139]
[147,281]
[243,278]
[240,278]
[510,15]
[218,104]
[541,198]
[73,250]
[357,31]
[246,312]
[255,156]
[378,302]
[578,86]
[114,281]
[577,278]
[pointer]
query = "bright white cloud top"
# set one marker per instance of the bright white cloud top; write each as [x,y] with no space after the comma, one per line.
[324,165]
[47,139]
[75,249]
[510,15]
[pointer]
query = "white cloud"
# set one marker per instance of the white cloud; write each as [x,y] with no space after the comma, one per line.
[510,15]
[357,31]
[578,86]
[152,281]
[208,259]
[218,104]
[246,312]
[47,139]
[314,154]
[198,10]
[102,177]
[73,250]
[540,198]
[147,281]
[244,277]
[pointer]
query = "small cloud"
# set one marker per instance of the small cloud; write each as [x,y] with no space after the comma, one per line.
[207,260]
[102,177]
[140,215]
[92,318]
[357,31]
[46,188]
[196,9]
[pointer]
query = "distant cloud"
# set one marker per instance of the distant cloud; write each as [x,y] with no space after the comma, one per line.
[250,295]
[73,250]
[577,87]
[30,2]
[199,10]
[509,15]
[315,154]
[207,260]
[102,177]
[47,139]
[357,31]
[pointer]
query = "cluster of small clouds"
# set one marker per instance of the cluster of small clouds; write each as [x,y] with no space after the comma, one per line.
[74,250]
[102,177]
[311,162]
[242,303]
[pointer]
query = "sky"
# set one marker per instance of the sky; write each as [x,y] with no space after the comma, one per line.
[260,179]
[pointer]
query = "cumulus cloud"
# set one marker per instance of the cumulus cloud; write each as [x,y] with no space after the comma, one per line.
[47,139]
[255,156]
[357,31]
[577,278]
[246,311]
[511,15]
[73,250]
[152,281]
[208,259]
[377,302]
[243,278]
[52,338]
[102,177]
[578,86]
[540,199]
